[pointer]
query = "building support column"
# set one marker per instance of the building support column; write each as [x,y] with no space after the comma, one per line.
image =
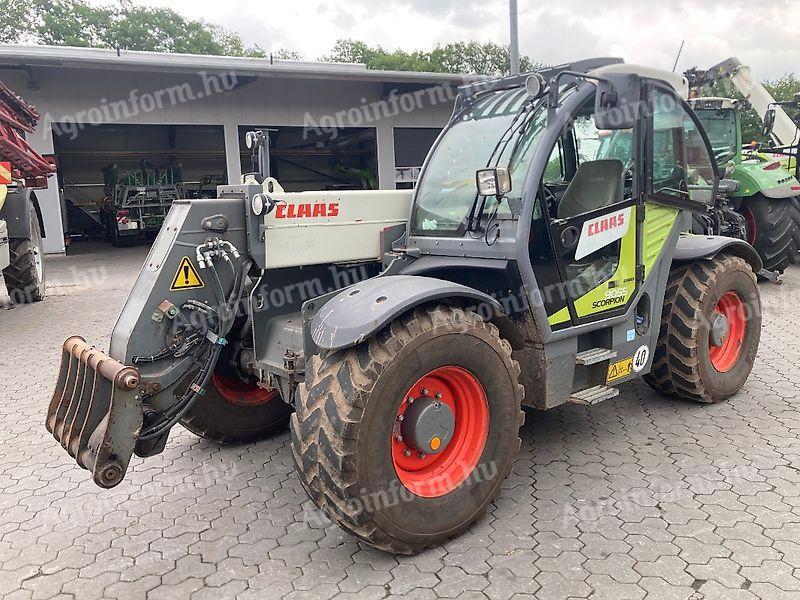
[386,159]
[49,198]
[232,157]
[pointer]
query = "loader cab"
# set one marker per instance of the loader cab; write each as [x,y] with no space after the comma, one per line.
[609,195]
[721,120]
[581,171]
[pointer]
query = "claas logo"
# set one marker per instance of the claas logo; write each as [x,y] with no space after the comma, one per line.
[5,173]
[607,224]
[307,211]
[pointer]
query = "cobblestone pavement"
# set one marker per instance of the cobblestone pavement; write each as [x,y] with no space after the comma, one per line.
[641,496]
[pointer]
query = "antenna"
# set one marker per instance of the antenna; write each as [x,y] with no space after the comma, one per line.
[677,58]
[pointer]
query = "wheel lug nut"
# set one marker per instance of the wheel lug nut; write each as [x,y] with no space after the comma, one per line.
[424,391]
[398,438]
[400,417]
[407,452]
[438,395]
[411,401]
[421,455]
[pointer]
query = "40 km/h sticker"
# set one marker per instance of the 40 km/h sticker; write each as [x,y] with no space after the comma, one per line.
[620,369]
[187,277]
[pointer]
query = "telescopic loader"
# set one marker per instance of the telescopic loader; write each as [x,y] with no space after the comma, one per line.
[402,333]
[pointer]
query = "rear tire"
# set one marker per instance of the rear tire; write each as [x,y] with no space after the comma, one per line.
[345,428]
[773,230]
[25,276]
[685,363]
[237,413]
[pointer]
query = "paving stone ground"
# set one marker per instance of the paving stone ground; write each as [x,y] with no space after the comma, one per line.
[639,497]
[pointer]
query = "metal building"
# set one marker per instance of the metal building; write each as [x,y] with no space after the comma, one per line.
[336,125]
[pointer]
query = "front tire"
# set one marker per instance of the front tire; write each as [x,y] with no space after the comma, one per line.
[694,358]
[351,447]
[773,229]
[25,276]
[236,412]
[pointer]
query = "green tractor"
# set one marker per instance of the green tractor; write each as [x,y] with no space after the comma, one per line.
[767,198]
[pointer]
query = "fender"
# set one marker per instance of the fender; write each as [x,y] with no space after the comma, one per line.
[693,247]
[361,310]
[16,212]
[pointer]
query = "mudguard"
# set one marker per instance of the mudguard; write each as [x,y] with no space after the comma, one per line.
[16,212]
[693,247]
[361,310]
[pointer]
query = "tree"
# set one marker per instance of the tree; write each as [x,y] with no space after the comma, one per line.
[125,26]
[17,15]
[461,57]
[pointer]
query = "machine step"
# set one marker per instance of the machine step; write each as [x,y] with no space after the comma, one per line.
[594,356]
[594,395]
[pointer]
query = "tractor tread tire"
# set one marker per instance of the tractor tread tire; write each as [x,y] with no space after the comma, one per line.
[777,231]
[208,430]
[21,279]
[215,419]
[330,407]
[676,360]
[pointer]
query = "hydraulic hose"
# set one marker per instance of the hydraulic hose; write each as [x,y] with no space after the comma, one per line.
[197,388]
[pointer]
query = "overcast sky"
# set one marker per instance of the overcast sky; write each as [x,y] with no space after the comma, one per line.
[762,34]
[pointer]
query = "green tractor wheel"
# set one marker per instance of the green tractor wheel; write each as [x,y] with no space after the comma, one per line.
[773,229]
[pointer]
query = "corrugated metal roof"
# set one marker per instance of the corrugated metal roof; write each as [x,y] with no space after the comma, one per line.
[97,58]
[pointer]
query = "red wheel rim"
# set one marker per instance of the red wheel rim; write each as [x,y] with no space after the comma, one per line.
[725,357]
[241,393]
[438,474]
[750,220]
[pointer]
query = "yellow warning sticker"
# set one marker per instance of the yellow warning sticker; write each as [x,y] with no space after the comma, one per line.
[620,369]
[187,277]
[5,173]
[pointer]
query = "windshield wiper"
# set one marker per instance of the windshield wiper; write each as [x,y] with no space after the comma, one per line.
[475,214]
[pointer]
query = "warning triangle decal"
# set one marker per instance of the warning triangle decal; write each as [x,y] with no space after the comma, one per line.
[187,277]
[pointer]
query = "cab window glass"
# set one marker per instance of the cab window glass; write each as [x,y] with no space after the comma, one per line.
[554,172]
[681,160]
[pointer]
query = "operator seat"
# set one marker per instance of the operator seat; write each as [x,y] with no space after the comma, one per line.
[596,184]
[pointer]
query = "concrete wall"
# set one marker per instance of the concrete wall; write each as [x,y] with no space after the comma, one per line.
[80,99]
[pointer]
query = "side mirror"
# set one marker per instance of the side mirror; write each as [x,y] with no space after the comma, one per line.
[769,121]
[493,182]
[701,193]
[728,186]
[616,104]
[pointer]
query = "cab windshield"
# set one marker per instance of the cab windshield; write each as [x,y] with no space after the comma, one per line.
[720,126]
[500,130]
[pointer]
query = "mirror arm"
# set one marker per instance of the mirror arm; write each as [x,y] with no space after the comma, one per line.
[553,101]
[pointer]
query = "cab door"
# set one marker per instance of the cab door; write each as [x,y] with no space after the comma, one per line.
[594,232]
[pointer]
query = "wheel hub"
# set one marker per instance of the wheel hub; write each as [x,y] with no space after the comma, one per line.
[720,330]
[727,332]
[428,425]
[440,431]
[241,393]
